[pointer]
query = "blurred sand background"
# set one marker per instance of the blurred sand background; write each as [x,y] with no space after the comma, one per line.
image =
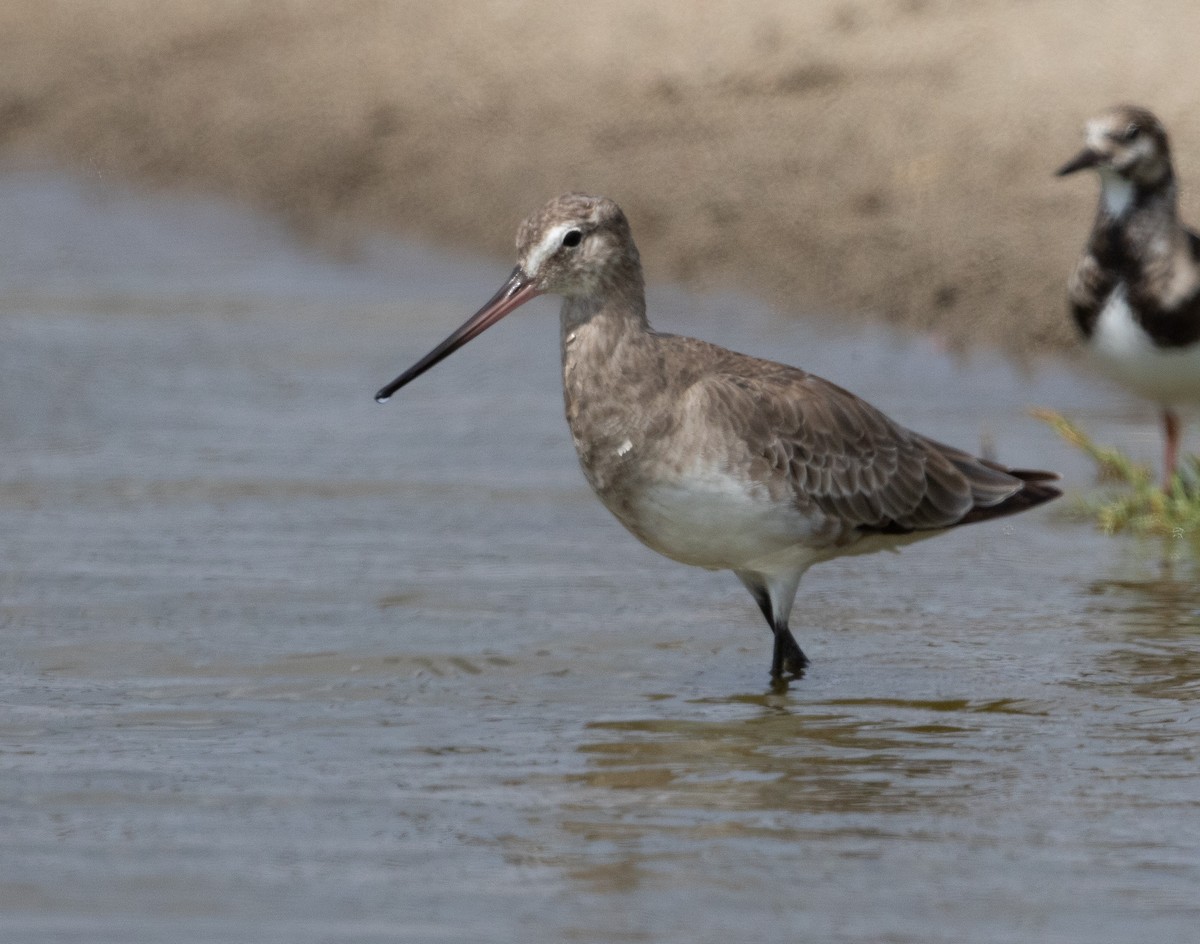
[891,157]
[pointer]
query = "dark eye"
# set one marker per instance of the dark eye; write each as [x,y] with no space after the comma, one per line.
[572,238]
[1131,133]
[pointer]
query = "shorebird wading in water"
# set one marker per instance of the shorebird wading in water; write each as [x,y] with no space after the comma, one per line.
[1135,292]
[717,459]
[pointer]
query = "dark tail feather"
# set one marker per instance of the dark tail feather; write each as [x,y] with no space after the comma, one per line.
[1025,475]
[1035,490]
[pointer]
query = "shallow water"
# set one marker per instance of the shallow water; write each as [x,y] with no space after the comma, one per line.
[284,665]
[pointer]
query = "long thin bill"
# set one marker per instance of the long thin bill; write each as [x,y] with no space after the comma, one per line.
[512,295]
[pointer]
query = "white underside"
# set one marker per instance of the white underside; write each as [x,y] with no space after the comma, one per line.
[1123,351]
[721,525]
[721,522]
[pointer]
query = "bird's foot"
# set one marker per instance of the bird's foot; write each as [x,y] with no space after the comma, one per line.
[788,659]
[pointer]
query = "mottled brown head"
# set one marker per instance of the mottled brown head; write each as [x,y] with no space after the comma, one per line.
[575,246]
[1126,141]
[578,245]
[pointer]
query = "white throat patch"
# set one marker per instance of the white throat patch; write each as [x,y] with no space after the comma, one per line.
[1117,193]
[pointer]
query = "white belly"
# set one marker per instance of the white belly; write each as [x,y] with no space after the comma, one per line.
[711,519]
[1123,351]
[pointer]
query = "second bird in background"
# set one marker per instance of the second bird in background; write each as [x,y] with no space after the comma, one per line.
[1135,292]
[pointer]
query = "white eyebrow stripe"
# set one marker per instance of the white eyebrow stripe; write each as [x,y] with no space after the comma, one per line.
[550,242]
[1097,135]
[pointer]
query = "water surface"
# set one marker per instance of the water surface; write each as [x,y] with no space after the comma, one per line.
[284,665]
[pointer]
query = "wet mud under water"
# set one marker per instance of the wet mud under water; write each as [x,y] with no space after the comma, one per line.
[281,664]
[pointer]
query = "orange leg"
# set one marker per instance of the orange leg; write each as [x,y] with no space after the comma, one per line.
[1171,455]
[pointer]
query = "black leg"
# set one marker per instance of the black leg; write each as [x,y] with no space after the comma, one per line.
[787,658]
[763,599]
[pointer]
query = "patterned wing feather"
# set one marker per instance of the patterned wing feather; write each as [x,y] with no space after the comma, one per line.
[839,454]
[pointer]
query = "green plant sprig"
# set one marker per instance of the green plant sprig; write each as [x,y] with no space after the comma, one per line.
[1131,501]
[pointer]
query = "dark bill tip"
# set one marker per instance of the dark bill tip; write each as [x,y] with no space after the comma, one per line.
[1081,161]
[514,293]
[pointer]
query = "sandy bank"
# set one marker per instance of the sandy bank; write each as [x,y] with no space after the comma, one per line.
[890,157]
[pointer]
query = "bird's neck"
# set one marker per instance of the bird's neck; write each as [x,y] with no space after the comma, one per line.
[600,321]
[1137,226]
[613,379]
[1123,200]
